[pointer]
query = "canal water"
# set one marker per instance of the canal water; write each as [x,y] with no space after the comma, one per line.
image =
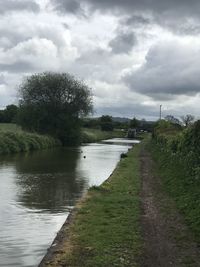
[38,190]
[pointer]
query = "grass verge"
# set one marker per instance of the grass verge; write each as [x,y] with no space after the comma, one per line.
[106,228]
[95,135]
[176,181]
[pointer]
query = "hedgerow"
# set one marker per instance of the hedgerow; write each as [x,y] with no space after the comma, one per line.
[177,153]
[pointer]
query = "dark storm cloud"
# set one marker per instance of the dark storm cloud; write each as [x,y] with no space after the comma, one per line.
[20,5]
[171,14]
[156,6]
[67,6]
[123,42]
[171,68]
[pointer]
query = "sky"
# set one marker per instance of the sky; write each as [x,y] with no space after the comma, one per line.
[134,55]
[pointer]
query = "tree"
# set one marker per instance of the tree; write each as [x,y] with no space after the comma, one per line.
[10,113]
[134,123]
[187,120]
[52,103]
[106,123]
[172,119]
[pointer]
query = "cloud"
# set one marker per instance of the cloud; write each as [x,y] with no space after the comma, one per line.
[18,6]
[123,42]
[17,67]
[67,6]
[172,14]
[171,68]
[167,8]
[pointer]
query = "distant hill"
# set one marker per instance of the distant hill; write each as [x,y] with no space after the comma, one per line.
[119,119]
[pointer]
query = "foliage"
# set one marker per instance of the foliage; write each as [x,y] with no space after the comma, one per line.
[91,123]
[134,123]
[9,114]
[106,123]
[52,103]
[172,119]
[95,123]
[12,142]
[187,120]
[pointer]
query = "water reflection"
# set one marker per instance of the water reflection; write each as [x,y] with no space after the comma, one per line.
[37,191]
[47,179]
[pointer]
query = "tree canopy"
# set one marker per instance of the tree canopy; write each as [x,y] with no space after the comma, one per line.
[187,120]
[9,114]
[52,103]
[106,123]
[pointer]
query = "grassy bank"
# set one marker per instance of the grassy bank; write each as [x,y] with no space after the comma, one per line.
[11,127]
[106,229]
[177,163]
[177,182]
[19,141]
[95,135]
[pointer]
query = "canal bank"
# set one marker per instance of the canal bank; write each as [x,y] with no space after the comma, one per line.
[103,229]
[38,191]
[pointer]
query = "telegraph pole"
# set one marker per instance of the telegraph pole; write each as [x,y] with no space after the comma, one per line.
[160,112]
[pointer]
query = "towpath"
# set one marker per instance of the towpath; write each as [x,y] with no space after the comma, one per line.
[167,240]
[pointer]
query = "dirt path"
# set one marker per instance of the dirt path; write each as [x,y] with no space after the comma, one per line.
[167,241]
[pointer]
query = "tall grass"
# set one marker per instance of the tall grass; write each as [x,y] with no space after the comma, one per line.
[10,127]
[12,142]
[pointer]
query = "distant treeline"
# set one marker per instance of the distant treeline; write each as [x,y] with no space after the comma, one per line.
[9,114]
[104,123]
[177,151]
[108,123]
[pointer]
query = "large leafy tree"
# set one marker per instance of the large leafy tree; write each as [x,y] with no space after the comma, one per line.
[52,103]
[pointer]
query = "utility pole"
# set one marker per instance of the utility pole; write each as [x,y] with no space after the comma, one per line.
[160,112]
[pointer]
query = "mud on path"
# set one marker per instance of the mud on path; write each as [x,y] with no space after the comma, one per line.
[167,241]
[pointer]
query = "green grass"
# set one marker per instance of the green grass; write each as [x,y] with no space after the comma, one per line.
[106,230]
[9,127]
[13,140]
[177,182]
[95,135]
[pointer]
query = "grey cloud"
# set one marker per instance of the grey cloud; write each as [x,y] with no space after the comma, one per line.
[18,67]
[123,42]
[156,6]
[67,6]
[66,26]
[93,57]
[171,69]
[20,5]
[10,37]
[136,20]
[188,28]
[171,14]
[2,79]
[137,110]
